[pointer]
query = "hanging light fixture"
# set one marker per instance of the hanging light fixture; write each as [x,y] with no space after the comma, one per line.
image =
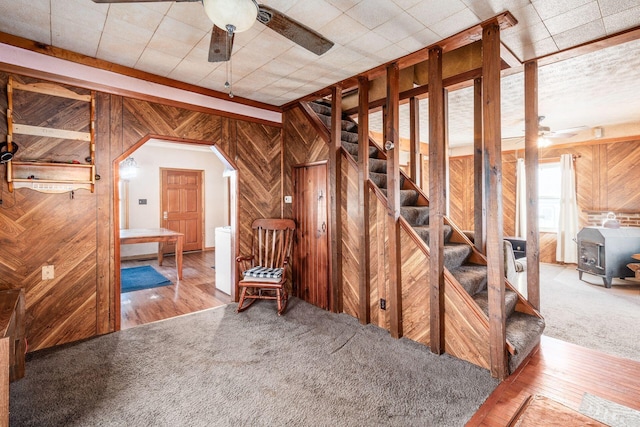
[234,16]
[128,168]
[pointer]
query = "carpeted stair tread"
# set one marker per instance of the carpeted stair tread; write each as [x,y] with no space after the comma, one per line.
[407,197]
[472,277]
[510,301]
[379,179]
[423,232]
[347,136]
[455,254]
[415,215]
[378,165]
[351,148]
[321,109]
[523,332]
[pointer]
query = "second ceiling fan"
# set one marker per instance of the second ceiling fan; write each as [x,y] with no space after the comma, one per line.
[234,16]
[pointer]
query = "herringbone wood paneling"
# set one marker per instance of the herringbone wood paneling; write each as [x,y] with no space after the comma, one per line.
[461,192]
[379,260]
[75,234]
[508,193]
[350,238]
[259,151]
[302,145]
[415,290]
[622,189]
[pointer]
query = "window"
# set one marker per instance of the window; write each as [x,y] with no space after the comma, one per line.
[549,178]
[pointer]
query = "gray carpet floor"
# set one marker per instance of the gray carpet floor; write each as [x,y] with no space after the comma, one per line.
[588,314]
[219,368]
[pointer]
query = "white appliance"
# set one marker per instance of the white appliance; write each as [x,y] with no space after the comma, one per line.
[224,259]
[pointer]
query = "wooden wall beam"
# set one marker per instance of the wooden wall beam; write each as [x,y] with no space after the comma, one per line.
[479,195]
[437,199]
[493,168]
[335,184]
[364,314]
[391,124]
[415,157]
[531,166]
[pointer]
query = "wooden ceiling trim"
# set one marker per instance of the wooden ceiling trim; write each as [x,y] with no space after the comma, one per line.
[71,81]
[79,58]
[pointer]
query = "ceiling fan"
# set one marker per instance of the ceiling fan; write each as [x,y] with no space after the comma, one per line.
[234,16]
[545,133]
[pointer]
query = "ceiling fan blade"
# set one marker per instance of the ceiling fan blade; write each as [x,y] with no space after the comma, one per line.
[221,45]
[293,30]
[140,1]
[560,135]
[571,130]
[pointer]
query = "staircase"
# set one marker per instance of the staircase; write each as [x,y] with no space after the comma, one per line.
[523,326]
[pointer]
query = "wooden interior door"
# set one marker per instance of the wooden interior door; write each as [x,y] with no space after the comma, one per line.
[311,257]
[181,206]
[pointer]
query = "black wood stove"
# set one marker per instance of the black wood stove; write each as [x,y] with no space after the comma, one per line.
[605,252]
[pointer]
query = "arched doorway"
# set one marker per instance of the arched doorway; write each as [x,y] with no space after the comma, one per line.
[137,205]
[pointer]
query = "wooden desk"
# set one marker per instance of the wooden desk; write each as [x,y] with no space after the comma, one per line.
[160,235]
[12,345]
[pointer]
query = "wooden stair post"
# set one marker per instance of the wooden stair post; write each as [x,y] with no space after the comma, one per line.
[392,146]
[364,306]
[493,186]
[479,194]
[335,180]
[531,124]
[437,200]
[415,155]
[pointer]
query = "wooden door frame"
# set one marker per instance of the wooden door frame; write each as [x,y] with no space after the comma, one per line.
[114,293]
[329,216]
[202,196]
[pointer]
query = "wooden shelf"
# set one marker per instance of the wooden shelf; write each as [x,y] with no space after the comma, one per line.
[47,176]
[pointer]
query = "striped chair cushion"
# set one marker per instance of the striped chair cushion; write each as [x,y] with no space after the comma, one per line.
[263,273]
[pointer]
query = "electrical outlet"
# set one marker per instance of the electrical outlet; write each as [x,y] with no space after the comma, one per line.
[47,272]
[383,304]
[142,201]
[288,199]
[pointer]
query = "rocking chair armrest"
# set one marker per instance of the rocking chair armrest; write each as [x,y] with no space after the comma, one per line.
[244,258]
[246,262]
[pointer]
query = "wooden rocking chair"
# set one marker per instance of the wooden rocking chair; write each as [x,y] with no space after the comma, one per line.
[265,271]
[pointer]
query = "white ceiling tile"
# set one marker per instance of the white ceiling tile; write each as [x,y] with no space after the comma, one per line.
[579,35]
[429,12]
[610,7]
[406,4]
[180,31]
[88,14]
[137,15]
[115,49]
[157,62]
[29,20]
[270,44]
[279,5]
[550,8]
[279,67]
[64,33]
[159,7]
[454,23]
[419,41]
[335,32]
[191,14]
[526,17]
[389,53]
[369,44]
[533,50]
[125,30]
[372,13]
[399,28]
[574,18]
[313,14]
[622,20]
[344,5]
[171,46]
[525,35]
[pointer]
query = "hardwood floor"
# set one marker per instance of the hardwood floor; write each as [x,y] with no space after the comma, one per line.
[563,372]
[196,291]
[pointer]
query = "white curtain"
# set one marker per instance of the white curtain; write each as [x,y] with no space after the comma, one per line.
[567,250]
[521,200]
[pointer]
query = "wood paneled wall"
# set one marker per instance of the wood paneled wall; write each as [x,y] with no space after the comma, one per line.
[76,234]
[350,238]
[605,175]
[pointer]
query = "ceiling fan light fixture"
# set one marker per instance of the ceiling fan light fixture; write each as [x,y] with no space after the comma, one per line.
[240,14]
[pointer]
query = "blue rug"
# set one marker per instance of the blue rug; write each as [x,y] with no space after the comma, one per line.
[143,277]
